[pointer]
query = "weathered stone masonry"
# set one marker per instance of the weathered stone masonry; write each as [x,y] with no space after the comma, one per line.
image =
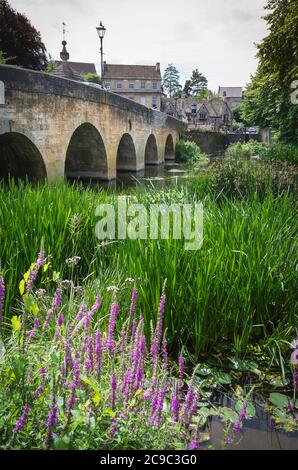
[51,126]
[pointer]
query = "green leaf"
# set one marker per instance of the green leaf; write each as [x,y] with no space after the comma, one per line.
[222,378]
[227,414]
[61,443]
[244,366]
[279,400]
[203,370]
[16,323]
[22,287]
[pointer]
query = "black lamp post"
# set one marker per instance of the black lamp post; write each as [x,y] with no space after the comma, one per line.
[101,31]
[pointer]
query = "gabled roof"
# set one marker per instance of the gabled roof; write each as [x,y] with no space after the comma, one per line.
[132,71]
[80,67]
[231,91]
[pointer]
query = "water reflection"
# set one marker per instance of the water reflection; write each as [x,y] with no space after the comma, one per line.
[160,176]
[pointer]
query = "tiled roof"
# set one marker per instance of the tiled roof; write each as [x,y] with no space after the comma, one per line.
[131,71]
[64,70]
[80,67]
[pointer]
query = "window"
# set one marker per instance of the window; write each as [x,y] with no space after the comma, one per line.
[119,85]
[154,85]
[131,85]
[143,84]
[107,85]
[224,93]
[202,117]
[154,102]
[143,100]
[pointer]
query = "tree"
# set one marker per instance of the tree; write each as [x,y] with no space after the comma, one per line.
[187,90]
[171,80]
[51,65]
[267,99]
[19,40]
[92,77]
[198,84]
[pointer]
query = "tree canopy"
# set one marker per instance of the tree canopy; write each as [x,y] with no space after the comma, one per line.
[198,84]
[267,99]
[19,40]
[171,78]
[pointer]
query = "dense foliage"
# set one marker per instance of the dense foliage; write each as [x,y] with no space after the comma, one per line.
[237,279]
[268,98]
[187,151]
[19,40]
[276,152]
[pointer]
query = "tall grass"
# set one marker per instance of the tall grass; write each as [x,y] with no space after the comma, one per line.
[238,288]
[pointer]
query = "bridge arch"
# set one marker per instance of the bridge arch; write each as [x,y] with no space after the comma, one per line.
[151,151]
[86,155]
[126,154]
[20,158]
[169,148]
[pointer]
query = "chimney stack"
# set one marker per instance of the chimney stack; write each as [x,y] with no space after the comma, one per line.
[157,67]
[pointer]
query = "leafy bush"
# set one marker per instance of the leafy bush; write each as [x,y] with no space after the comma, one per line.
[281,152]
[244,150]
[187,151]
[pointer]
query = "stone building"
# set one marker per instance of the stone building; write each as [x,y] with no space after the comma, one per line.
[71,70]
[141,83]
[209,113]
[232,95]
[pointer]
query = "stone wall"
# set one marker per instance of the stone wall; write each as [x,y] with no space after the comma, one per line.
[215,143]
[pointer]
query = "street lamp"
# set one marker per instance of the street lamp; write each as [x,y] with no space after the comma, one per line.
[101,31]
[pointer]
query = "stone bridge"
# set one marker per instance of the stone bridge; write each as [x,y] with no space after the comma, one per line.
[55,128]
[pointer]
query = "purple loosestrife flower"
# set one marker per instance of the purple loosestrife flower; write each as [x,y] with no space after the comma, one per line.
[98,349]
[181,368]
[41,388]
[165,352]
[113,388]
[60,320]
[33,274]
[88,317]
[156,338]
[81,313]
[36,323]
[110,342]
[22,421]
[195,442]
[113,429]
[123,341]
[51,423]
[57,300]
[71,402]
[2,298]
[175,406]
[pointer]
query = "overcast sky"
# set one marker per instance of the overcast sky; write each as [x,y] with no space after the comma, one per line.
[216,36]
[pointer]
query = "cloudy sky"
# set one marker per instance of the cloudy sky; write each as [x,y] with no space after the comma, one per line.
[216,36]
